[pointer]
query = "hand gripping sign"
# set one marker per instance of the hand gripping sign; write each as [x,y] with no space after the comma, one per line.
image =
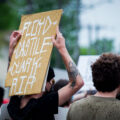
[30,60]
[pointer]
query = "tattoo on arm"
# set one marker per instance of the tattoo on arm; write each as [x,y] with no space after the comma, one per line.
[73,73]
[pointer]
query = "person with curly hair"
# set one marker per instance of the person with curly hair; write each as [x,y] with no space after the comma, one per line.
[103,105]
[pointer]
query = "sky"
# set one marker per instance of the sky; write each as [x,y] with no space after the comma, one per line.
[107,16]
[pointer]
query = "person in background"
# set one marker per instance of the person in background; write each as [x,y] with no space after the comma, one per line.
[48,89]
[79,96]
[82,94]
[103,105]
[50,80]
[1,98]
[63,109]
[1,95]
[44,106]
[60,84]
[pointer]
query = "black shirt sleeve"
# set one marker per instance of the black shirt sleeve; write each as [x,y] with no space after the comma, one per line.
[43,107]
[49,103]
[13,106]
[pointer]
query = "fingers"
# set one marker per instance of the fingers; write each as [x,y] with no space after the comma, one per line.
[15,35]
[18,36]
[53,40]
[58,32]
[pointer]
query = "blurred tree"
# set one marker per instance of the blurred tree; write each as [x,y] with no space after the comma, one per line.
[103,45]
[68,26]
[11,11]
[84,51]
[98,47]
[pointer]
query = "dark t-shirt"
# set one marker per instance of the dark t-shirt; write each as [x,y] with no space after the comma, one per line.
[42,108]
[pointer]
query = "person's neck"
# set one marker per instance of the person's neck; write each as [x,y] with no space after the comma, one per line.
[107,94]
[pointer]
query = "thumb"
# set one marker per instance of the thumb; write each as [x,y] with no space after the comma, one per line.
[18,36]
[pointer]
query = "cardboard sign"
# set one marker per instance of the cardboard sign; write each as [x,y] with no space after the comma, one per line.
[31,57]
[84,66]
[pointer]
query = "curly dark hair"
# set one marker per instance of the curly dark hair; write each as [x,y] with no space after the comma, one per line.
[106,72]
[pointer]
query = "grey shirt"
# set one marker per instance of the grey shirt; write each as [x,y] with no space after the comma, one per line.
[62,113]
[4,113]
[95,108]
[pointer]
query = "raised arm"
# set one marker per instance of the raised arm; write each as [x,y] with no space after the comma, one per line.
[15,36]
[75,79]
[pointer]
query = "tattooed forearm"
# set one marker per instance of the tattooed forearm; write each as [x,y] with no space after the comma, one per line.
[73,73]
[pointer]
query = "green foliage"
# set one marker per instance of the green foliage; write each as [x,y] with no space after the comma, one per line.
[104,45]
[3,41]
[5,18]
[98,47]
[12,10]
[87,51]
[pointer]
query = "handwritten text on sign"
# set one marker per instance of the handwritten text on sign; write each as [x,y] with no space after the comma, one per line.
[31,56]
